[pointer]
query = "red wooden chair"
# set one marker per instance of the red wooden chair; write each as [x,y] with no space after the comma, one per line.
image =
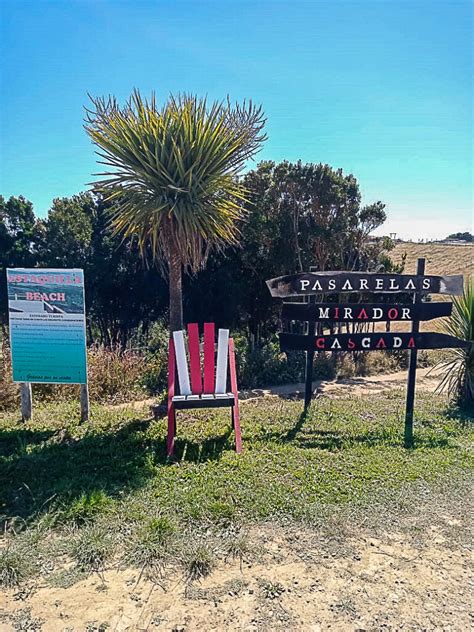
[205,389]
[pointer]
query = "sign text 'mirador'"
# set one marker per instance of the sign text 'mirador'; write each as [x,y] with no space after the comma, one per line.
[365,312]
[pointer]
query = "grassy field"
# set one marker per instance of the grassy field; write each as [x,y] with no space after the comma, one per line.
[440,258]
[80,498]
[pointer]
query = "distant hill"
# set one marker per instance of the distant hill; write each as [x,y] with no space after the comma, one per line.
[440,258]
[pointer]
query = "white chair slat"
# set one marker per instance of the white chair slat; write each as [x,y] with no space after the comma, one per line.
[181,363]
[222,358]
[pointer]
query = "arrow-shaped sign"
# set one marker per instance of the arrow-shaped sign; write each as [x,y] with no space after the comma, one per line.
[365,312]
[308,283]
[369,342]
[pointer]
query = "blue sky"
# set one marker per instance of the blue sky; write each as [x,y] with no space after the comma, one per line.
[382,89]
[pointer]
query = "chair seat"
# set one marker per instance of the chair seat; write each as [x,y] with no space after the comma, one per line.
[205,400]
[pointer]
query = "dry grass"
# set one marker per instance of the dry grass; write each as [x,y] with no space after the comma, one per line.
[440,258]
[115,377]
[9,392]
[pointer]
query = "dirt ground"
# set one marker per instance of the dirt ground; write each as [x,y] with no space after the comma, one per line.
[405,566]
[426,380]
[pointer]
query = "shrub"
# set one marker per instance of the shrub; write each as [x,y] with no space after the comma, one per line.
[9,391]
[15,566]
[376,362]
[115,375]
[155,376]
[85,508]
[266,364]
[458,370]
[91,548]
[324,366]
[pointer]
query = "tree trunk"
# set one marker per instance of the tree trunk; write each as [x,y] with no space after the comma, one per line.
[176,293]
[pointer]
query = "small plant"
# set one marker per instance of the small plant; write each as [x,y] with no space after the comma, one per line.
[149,547]
[239,547]
[115,375]
[91,548]
[87,506]
[198,562]
[15,566]
[9,392]
[271,590]
[458,372]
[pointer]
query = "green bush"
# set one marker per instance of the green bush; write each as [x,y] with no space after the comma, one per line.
[155,375]
[9,391]
[115,376]
[458,369]
[265,364]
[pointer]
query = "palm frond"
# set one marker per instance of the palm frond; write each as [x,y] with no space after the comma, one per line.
[457,374]
[171,172]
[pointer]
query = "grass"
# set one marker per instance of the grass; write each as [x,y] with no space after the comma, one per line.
[91,548]
[105,493]
[15,566]
[440,258]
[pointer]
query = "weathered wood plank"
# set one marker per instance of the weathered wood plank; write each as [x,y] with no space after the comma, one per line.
[335,282]
[85,403]
[222,360]
[412,364]
[366,312]
[26,401]
[181,363]
[194,358]
[209,357]
[369,342]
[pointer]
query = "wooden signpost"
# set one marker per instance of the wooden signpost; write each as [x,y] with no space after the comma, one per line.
[364,312]
[411,382]
[311,284]
[368,341]
[307,283]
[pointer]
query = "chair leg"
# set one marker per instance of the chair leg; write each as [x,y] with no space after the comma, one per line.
[235,407]
[236,427]
[171,392]
[171,431]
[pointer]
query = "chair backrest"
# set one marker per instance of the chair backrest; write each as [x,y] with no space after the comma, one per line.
[212,377]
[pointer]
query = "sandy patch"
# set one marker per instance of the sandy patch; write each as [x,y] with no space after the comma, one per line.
[358,579]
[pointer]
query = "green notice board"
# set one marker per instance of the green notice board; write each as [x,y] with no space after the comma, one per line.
[47,325]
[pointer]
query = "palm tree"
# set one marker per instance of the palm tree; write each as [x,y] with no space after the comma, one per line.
[458,372]
[172,176]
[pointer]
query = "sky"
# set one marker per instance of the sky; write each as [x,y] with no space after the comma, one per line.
[379,88]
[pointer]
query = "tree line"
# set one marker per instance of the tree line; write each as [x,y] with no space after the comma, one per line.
[295,216]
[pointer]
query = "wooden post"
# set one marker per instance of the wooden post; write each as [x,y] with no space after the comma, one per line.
[410,401]
[308,391]
[26,401]
[85,410]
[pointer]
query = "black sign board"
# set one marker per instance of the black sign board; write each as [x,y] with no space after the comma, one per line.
[366,312]
[312,283]
[307,283]
[368,342]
